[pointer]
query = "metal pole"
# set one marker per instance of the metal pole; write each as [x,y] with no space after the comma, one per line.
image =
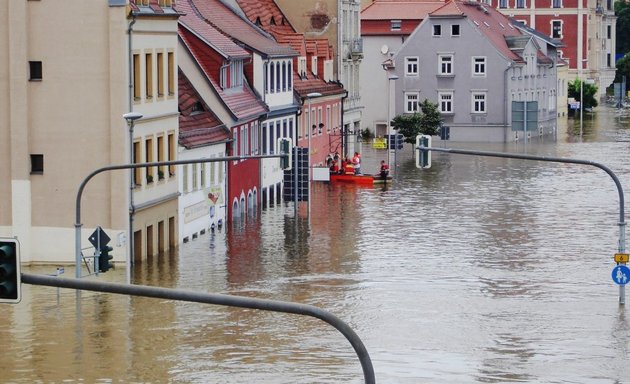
[77,223]
[295,183]
[581,98]
[310,133]
[217,299]
[131,118]
[621,223]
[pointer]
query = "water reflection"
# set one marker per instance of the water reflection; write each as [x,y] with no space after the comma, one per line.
[476,270]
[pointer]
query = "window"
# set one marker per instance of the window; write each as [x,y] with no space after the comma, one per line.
[479,66]
[148,153]
[284,77]
[202,173]
[194,177]
[171,153]
[445,63]
[37,164]
[479,102]
[185,178]
[171,73]
[148,63]
[160,74]
[136,77]
[445,102]
[35,70]
[290,76]
[437,30]
[137,172]
[411,102]
[609,32]
[165,3]
[520,3]
[503,4]
[556,29]
[231,75]
[278,78]
[160,156]
[235,144]
[328,119]
[396,25]
[455,30]
[411,66]
[272,78]
[556,3]
[608,60]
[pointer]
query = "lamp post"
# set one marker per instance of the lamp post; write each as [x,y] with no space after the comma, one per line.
[310,133]
[131,118]
[389,118]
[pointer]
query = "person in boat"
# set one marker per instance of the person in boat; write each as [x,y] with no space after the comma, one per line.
[348,168]
[384,170]
[334,167]
[356,162]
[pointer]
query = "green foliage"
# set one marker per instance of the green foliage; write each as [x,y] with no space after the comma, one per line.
[623,69]
[366,134]
[622,11]
[588,91]
[427,122]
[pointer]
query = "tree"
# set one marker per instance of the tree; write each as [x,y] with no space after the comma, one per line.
[427,122]
[622,11]
[623,69]
[589,91]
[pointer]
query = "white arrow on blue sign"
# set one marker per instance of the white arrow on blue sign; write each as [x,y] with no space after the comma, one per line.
[621,275]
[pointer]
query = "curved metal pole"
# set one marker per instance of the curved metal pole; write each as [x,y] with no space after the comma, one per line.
[77,222]
[621,224]
[218,299]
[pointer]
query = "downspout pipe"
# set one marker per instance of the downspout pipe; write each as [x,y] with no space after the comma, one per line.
[505,101]
[344,136]
[130,56]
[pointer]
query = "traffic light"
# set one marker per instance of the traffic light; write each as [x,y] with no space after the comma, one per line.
[104,264]
[423,156]
[286,148]
[10,280]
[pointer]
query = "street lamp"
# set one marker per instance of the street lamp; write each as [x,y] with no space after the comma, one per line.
[131,118]
[310,133]
[389,117]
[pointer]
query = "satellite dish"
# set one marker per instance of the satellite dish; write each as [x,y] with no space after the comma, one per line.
[384,49]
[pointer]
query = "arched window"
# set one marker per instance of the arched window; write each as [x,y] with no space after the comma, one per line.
[284,76]
[278,78]
[290,76]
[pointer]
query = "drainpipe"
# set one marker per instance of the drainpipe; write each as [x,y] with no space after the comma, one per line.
[505,102]
[132,208]
[130,55]
[344,136]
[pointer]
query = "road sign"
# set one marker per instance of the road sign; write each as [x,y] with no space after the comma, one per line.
[622,257]
[99,241]
[621,274]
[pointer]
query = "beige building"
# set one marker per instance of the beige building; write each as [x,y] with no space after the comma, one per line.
[66,79]
[339,22]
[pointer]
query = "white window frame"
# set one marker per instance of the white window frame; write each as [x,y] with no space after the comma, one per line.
[504,4]
[436,30]
[396,25]
[479,66]
[459,32]
[412,64]
[446,62]
[412,102]
[561,32]
[479,102]
[445,102]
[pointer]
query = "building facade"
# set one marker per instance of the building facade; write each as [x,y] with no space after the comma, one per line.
[586,29]
[65,91]
[474,63]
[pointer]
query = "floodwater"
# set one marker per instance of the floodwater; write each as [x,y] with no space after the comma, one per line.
[479,270]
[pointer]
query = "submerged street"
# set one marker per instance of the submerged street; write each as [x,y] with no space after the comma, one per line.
[476,270]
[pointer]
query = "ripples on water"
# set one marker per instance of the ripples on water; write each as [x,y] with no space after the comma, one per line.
[478,270]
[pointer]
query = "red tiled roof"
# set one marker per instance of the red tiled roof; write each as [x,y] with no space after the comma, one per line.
[231,24]
[312,84]
[295,40]
[197,128]
[211,36]
[492,23]
[399,9]
[266,14]
[242,102]
[153,8]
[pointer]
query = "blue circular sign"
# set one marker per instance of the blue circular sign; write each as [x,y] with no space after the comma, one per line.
[621,275]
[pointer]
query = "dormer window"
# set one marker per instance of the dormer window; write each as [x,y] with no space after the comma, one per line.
[232,74]
[314,65]
[396,25]
[197,108]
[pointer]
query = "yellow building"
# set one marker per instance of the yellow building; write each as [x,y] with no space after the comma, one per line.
[69,72]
